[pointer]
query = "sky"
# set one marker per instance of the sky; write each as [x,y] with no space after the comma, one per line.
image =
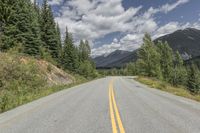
[111,25]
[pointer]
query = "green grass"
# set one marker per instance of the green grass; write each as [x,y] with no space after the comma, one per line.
[22,81]
[161,85]
[12,99]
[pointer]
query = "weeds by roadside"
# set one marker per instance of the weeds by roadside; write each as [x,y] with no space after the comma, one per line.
[161,85]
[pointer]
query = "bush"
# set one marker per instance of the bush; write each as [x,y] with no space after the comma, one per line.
[87,70]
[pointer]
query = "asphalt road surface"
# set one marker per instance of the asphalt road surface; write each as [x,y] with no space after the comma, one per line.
[107,105]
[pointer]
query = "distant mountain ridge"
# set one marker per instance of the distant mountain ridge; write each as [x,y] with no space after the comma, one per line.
[186,41]
[115,59]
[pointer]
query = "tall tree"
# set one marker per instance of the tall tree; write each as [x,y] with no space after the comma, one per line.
[166,60]
[49,31]
[70,55]
[179,73]
[20,26]
[193,83]
[149,58]
[84,50]
[58,38]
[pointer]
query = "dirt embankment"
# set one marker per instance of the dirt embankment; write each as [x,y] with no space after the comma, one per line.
[53,74]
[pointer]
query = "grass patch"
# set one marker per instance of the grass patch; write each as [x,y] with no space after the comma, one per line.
[12,99]
[161,85]
[22,81]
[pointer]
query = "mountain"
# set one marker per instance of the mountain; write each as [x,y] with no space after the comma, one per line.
[115,59]
[186,41]
[195,60]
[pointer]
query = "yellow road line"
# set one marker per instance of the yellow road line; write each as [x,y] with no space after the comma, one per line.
[113,101]
[121,128]
[112,115]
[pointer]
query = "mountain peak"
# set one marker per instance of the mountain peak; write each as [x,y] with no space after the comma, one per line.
[186,41]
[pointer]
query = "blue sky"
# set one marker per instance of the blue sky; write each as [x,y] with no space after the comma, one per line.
[120,24]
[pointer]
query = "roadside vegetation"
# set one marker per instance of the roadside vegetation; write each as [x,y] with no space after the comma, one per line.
[23,79]
[160,67]
[164,86]
[28,30]
[158,61]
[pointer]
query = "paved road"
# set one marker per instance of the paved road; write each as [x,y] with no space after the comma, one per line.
[108,105]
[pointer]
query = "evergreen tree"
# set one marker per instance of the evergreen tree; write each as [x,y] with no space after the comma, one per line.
[193,83]
[149,59]
[58,37]
[49,31]
[70,55]
[179,73]
[19,26]
[166,60]
[84,50]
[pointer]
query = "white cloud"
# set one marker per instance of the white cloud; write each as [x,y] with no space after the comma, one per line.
[55,2]
[106,49]
[92,20]
[164,9]
[166,29]
[167,7]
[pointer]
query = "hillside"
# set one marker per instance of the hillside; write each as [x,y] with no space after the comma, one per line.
[195,60]
[23,79]
[186,41]
[51,74]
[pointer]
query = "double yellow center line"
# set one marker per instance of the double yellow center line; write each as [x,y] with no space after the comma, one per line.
[114,112]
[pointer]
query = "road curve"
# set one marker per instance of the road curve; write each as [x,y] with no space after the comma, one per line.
[107,105]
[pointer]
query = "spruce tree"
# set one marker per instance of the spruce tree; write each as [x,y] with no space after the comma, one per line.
[193,83]
[166,60]
[20,26]
[49,31]
[70,56]
[58,37]
[179,73]
[7,23]
[84,50]
[149,59]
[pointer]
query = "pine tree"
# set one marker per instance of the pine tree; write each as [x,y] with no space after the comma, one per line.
[179,73]
[49,31]
[20,26]
[166,60]
[149,59]
[33,39]
[70,55]
[193,83]
[58,37]
[84,50]
[7,24]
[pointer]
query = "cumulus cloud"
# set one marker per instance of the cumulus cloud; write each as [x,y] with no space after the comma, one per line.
[94,19]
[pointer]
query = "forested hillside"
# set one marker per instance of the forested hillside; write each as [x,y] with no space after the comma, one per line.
[161,62]
[31,29]
[33,56]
